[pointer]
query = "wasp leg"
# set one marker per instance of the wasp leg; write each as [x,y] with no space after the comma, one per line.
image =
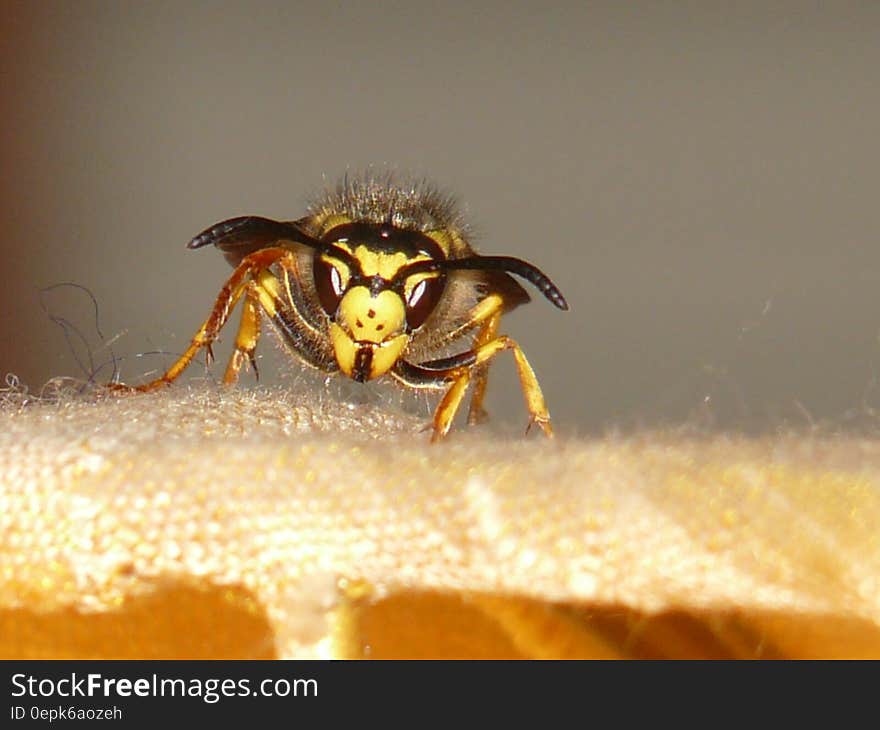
[285,307]
[449,405]
[231,292]
[246,338]
[534,398]
[488,332]
[487,315]
[458,370]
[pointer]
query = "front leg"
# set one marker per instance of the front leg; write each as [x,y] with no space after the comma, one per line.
[488,332]
[456,372]
[246,338]
[248,270]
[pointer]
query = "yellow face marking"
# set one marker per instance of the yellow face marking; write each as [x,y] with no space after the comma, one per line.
[341,269]
[371,319]
[383,356]
[386,354]
[376,263]
[368,335]
[413,281]
[344,348]
[369,324]
[380,264]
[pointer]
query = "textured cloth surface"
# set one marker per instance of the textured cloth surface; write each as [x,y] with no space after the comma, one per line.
[233,523]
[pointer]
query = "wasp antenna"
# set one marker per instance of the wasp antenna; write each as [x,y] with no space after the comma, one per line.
[527,271]
[250,230]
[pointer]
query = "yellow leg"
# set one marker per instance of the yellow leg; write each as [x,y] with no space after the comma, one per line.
[488,332]
[449,406]
[245,339]
[249,268]
[487,314]
[460,377]
[203,338]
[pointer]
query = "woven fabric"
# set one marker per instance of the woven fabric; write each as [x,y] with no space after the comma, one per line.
[234,523]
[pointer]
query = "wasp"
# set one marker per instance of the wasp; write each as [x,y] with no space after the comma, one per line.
[377,279]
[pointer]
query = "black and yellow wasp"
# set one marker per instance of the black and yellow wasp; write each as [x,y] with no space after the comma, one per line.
[377,279]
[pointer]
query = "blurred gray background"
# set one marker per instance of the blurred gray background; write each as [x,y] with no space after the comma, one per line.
[700,179]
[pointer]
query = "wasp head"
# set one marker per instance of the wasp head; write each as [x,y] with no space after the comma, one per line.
[376,284]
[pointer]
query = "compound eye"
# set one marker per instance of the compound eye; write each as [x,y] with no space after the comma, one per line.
[328,284]
[422,300]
